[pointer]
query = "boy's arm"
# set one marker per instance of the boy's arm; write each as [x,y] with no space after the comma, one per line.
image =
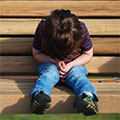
[82,59]
[40,57]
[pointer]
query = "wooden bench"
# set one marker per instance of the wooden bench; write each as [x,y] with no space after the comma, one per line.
[18,22]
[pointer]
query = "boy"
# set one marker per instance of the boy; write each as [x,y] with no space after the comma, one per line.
[62,46]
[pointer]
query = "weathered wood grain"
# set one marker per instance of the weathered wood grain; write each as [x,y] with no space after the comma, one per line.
[15,90]
[23,45]
[18,100]
[56,0]
[19,45]
[26,64]
[32,79]
[26,87]
[28,26]
[106,46]
[43,8]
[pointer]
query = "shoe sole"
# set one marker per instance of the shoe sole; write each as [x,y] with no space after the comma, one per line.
[36,107]
[85,108]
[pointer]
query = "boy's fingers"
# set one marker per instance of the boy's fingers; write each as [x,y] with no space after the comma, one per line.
[62,69]
[63,76]
[63,65]
[62,73]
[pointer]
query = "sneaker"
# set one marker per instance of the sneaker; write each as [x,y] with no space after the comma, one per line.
[40,103]
[86,105]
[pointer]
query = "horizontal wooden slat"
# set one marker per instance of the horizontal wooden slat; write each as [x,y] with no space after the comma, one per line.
[18,100]
[26,87]
[26,64]
[106,45]
[28,26]
[32,79]
[104,65]
[43,8]
[11,104]
[12,45]
[56,0]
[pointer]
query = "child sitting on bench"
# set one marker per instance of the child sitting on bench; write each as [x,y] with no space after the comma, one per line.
[63,47]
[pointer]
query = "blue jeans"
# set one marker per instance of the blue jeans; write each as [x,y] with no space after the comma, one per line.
[76,79]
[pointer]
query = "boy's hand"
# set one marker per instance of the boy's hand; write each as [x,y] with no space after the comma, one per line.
[63,69]
[61,66]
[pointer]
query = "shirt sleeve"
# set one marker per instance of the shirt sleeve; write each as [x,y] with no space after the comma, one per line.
[37,44]
[86,43]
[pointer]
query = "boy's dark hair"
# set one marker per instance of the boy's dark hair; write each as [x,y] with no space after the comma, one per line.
[60,34]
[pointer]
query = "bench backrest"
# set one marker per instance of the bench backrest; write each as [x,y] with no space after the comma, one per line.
[19,20]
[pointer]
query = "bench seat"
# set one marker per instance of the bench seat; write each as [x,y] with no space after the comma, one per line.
[18,69]
[15,97]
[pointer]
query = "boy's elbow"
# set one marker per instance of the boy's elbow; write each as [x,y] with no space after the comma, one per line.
[35,52]
[89,53]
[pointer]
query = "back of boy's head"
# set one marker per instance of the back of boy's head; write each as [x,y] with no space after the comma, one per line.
[60,34]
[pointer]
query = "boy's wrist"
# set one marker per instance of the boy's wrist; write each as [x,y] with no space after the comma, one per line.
[71,64]
[54,61]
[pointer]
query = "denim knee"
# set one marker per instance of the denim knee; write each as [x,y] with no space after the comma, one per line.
[76,75]
[48,69]
[78,71]
[46,66]
[48,77]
